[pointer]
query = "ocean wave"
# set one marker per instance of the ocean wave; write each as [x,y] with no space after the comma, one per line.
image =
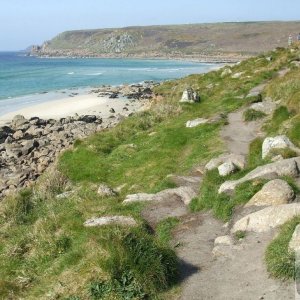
[94,74]
[71,73]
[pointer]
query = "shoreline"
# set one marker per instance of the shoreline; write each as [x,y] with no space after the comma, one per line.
[195,59]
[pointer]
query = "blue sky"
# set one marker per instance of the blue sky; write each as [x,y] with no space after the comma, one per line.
[27,22]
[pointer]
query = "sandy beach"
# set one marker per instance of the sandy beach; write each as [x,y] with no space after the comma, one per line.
[69,106]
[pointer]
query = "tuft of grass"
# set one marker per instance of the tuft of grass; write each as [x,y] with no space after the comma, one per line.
[138,266]
[239,235]
[253,115]
[280,261]
[164,229]
[223,205]
[285,153]
[280,115]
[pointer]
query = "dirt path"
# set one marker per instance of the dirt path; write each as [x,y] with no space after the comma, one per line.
[238,134]
[238,271]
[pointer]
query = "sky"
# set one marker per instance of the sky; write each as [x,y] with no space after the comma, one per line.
[27,22]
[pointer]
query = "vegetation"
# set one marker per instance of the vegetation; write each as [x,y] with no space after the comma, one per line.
[46,252]
[253,115]
[164,229]
[280,260]
[239,235]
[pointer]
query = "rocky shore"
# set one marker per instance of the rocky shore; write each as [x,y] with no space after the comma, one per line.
[28,146]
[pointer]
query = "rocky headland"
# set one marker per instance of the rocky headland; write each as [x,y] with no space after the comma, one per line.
[219,42]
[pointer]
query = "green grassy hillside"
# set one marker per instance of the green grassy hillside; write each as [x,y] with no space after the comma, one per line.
[47,253]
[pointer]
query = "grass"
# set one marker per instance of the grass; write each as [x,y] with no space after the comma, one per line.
[280,115]
[164,229]
[253,115]
[239,235]
[279,259]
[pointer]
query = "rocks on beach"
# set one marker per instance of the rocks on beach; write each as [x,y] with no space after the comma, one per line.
[138,91]
[29,146]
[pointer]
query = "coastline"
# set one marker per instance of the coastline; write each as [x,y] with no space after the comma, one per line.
[206,59]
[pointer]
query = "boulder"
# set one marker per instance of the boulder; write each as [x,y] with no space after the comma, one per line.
[266,107]
[275,192]
[28,146]
[294,244]
[277,142]
[111,220]
[238,160]
[4,132]
[286,167]
[184,194]
[88,118]
[237,75]
[13,150]
[190,96]
[196,122]
[18,122]
[226,72]
[193,181]
[267,218]
[106,191]
[227,168]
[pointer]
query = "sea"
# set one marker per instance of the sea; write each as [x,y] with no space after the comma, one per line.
[27,80]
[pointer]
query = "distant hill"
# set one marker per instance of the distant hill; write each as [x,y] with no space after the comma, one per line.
[201,41]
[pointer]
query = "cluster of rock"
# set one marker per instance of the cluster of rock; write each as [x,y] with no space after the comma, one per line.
[136,91]
[28,147]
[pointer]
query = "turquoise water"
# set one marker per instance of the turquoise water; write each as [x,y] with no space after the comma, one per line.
[21,77]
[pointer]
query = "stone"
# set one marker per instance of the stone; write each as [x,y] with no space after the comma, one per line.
[256,91]
[227,168]
[277,142]
[112,111]
[266,107]
[88,118]
[18,135]
[193,181]
[275,192]
[29,146]
[237,75]
[286,167]
[18,121]
[111,220]
[4,133]
[13,150]
[64,195]
[294,244]
[223,240]
[268,218]
[238,160]
[106,191]
[196,122]
[190,96]
[226,72]
[184,194]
